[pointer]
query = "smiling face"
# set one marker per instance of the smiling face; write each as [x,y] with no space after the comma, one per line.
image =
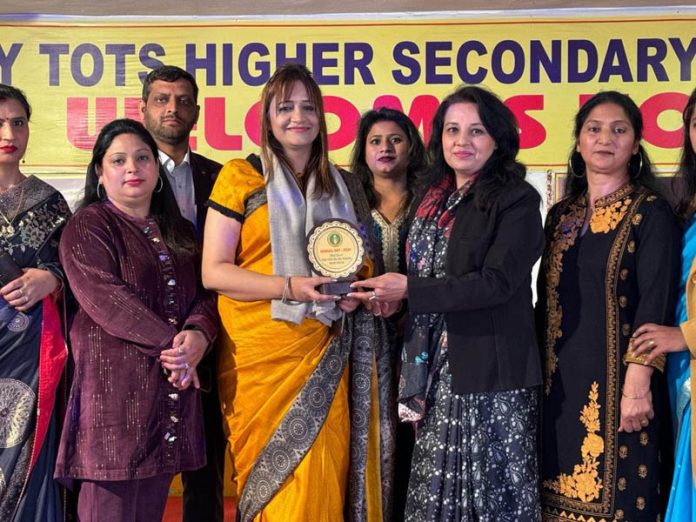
[14,132]
[387,150]
[129,173]
[607,141]
[466,144]
[170,111]
[294,121]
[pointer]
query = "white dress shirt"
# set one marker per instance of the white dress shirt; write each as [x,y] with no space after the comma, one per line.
[181,179]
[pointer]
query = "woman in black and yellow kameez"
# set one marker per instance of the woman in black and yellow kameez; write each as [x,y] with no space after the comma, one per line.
[611,264]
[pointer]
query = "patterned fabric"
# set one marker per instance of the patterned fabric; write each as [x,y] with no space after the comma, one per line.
[595,289]
[475,455]
[266,393]
[682,496]
[426,249]
[37,213]
[392,238]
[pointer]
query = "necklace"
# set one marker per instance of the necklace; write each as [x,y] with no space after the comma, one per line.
[9,229]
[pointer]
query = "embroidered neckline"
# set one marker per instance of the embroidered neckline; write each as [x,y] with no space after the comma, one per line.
[615,196]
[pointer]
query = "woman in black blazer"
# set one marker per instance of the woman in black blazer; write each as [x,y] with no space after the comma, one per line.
[471,365]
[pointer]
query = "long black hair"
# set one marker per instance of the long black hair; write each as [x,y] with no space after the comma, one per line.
[639,166]
[416,153]
[176,231]
[502,167]
[686,175]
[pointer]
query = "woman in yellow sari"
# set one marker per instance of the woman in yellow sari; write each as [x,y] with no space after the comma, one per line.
[283,376]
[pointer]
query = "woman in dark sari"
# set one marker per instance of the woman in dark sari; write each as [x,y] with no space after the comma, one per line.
[32,350]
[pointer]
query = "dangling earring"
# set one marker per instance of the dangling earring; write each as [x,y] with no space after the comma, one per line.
[23,160]
[571,170]
[100,193]
[160,184]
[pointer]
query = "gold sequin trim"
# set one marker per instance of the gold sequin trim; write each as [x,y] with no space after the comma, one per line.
[621,484]
[584,484]
[644,439]
[642,471]
[640,503]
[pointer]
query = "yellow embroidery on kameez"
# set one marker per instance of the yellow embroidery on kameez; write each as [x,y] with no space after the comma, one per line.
[584,483]
[606,219]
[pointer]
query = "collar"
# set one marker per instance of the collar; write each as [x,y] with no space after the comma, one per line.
[168,163]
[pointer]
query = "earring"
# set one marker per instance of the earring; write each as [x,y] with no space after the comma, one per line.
[640,162]
[100,194]
[160,184]
[571,170]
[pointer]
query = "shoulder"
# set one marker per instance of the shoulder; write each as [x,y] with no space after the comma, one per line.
[654,201]
[653,207]
[92,221]
[518,192]
[199,162]
[240,174]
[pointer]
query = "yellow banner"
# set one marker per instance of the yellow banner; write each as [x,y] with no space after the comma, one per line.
[79,75]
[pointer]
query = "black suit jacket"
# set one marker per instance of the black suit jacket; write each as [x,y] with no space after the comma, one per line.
[205,173]
[486,295]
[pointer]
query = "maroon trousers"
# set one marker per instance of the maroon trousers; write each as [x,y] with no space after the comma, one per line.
[139,500]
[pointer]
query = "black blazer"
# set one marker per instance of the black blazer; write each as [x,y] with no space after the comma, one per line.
[205,173]
[486,295]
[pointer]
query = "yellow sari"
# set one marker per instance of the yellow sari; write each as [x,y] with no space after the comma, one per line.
[263,368]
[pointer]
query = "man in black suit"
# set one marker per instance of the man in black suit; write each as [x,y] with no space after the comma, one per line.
[170,110]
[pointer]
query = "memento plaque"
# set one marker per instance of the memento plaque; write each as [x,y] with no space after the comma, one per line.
[336,249]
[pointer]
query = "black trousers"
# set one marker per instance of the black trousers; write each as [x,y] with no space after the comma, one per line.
[203,488]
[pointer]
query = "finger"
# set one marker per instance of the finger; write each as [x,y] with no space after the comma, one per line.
[370,283]
[364,297]
[655,354]
[196,381]
[647,327]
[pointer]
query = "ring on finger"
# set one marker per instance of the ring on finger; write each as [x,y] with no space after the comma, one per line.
[26,299]
[21,292]
[186,365]
[180,351]
[373,297]
[651,342]
[644,422]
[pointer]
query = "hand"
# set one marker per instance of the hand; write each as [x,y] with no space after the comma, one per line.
[304,289]
[379,308]
[636,399]
[654,339]
[348,304]
[387,288]
[30,288]
[182,379]
[188,348]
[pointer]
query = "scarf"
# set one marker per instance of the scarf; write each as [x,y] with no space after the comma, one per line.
[291,218]
[426,252]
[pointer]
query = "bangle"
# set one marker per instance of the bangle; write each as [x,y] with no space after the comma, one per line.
[287,289]
[635,398]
